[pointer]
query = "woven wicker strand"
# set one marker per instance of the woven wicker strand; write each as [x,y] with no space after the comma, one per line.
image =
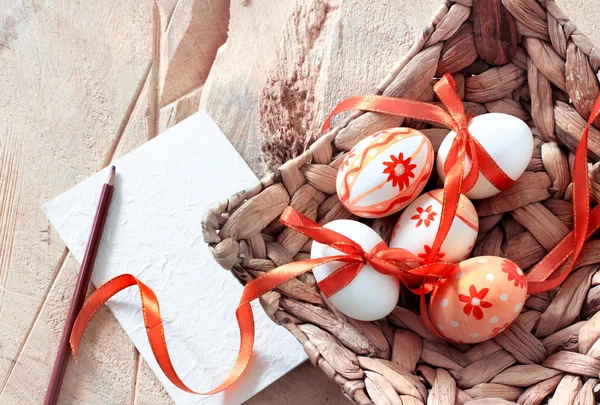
[548,79]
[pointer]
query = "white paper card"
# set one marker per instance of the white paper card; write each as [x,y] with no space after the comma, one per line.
[153,231]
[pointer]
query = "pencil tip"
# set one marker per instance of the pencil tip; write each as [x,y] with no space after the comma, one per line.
[111,176]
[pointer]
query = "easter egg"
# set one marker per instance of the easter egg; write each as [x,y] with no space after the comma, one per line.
[479,300]
[507,140]
[371,295]
[418,225]
[384,172]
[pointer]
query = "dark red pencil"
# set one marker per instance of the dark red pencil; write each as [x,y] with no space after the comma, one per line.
[80,288]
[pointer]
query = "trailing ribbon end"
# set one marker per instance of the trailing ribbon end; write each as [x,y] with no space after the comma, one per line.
[585,223]
[154,325]
[152,321]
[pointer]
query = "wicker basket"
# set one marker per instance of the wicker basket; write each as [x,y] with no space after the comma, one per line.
[521,57]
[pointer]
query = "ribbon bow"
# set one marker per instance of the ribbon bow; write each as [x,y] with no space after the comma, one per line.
[385,260]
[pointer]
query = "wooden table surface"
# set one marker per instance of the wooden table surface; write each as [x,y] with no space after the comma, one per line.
[85,82]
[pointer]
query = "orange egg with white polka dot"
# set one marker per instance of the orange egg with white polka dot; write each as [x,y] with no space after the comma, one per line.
[479,300]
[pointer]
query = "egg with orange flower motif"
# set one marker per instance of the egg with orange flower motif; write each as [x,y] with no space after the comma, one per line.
[479,300]
[385,172]
[418,225]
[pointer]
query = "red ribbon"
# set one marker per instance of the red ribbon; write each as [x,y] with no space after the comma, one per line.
[543,276]
[398,262]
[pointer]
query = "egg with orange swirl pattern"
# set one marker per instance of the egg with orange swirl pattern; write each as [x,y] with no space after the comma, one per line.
[384,172]
[479,300]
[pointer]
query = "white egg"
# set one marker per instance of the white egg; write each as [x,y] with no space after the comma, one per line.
[507,139]
[418,225]
[371,295]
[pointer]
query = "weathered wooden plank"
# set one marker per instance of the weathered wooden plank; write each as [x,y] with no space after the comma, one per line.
[68,81]
[191,35]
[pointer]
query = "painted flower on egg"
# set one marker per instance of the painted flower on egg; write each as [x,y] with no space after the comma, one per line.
[425,255]
[425,216]
[514,273]
[496,331]
[400,171]
[475,301]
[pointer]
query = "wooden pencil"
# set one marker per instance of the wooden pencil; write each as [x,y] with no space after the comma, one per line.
[81,286]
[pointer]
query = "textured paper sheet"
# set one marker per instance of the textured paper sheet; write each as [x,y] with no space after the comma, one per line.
[154,232]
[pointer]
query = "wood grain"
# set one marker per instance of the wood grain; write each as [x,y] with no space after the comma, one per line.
[69,104]
[81,93]
[302,77]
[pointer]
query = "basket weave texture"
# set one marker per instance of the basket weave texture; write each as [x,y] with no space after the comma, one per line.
[520,57]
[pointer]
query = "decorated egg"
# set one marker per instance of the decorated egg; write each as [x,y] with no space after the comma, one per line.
[370,295]
[384,172]
[479,300]
[507,140]
[418,225]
